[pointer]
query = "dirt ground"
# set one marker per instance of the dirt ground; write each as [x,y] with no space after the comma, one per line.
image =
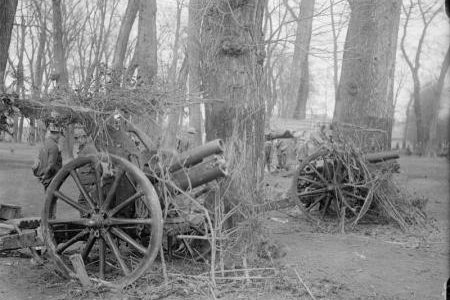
[375,261]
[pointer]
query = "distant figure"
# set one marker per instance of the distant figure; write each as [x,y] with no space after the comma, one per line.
[49,160]
[408,151]
[185,140]
[268,147]
[281,154]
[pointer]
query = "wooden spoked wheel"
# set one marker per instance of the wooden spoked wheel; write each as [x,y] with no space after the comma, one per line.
[325,182]
[118,234]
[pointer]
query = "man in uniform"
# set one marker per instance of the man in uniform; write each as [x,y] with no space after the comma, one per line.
[49,160]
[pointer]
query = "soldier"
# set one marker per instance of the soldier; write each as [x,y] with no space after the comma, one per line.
[282,149]
[49,160]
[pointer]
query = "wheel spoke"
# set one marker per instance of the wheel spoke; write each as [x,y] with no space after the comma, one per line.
[320,198]
[76,221]
[318,173]
[353,195]
[130,181]
[70,201]
[112,190]
[86,196]
[318,191]
[310,180]
[327,205]
[98,177]
[123,221]
[88,246]
[116,209]
[102,258]
[126,238]
[344,201]
[76,238]
[112,245]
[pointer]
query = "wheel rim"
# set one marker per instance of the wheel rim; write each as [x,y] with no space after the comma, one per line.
[322,181]
[117,247]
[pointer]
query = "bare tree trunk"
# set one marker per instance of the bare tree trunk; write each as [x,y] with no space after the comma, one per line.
[408,117]
[147,43]
[298,86]
[174,116]
[122,39]
[365,92]
[60,67]
[233,76]
[194,55]
[432,141]
[303,40]
[20,75]
[414,66]
[7,14]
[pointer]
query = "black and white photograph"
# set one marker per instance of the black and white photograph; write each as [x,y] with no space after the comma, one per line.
[224,149]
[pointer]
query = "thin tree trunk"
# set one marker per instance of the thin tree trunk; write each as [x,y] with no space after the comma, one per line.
[174,116]
[60,67]
[7,15]
[298,86]
[432,141]
[146,46]
[122,39]
[194,55]
[305,24]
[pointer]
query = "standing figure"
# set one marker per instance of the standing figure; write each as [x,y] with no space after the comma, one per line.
[282,149]
[49,160]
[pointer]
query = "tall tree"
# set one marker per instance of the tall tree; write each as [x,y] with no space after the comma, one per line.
[122,39]
[365,92]
[7,14]
[194,57]
[146,46]
[169,139]
[298,87]
[60,67]
[427,14]
[233,56]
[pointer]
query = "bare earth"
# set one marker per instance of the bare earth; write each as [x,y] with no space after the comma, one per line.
[372,262]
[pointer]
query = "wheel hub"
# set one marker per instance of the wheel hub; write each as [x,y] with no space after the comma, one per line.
[96,221]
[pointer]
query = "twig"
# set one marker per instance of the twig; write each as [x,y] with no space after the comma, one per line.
[303,283]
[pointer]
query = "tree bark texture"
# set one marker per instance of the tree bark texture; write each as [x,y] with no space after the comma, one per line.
[233,56]
[194,57]
[7,14]
[147,44]
[122,39]
[60,67]
[365,92]
[298,87]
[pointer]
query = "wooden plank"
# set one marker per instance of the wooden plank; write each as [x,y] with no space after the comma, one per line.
[80,270]
[25,239]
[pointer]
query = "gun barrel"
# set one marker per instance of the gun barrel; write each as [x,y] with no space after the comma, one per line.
[381,156]
[200,173]
[197,154]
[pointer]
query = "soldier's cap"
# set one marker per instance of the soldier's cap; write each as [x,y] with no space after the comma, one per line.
[53,128]
[191,130]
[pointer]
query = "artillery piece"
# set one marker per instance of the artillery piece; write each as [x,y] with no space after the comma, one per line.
[120,207]
[129,207]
